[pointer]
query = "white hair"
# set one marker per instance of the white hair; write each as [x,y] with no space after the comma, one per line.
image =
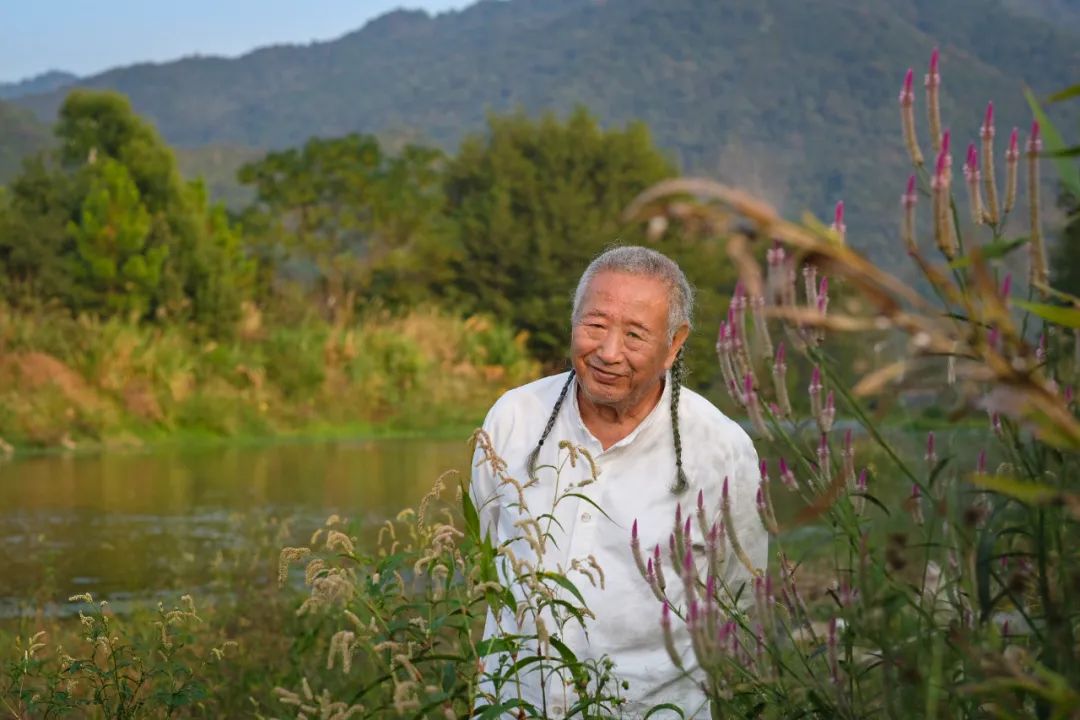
[646,262]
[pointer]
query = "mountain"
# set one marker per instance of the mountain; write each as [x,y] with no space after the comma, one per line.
[43,83]
[795,100]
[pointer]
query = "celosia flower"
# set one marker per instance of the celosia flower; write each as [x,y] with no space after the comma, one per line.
[907,118]
[972,176]
[848,457]
[858,501]
[1037,248]
[1012,162]
[815,391]
[939,184]
[669,640]
[932,81]
[1006,288]
[779,373]
[828,413]
[787,476]
[635,548]
[703,524]
[915,504]
[657,566]
[907,228]
[838,221]
[931,453]
[986,132]
[761,326]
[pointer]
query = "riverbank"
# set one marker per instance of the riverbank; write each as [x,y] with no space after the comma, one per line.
[85,384]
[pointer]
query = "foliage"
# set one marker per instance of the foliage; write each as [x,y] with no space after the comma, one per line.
[106,224]
[87,382]
[939,590]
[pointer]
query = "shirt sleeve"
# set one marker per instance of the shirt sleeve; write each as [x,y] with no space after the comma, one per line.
[484,487]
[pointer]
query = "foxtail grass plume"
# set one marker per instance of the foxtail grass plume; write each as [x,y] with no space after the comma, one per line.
[907,226]
[907,118]
[973,176]
[1035,241]
[1012,162]
[932,81]
[986,133]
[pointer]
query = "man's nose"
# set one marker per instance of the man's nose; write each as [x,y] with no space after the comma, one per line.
[610,349]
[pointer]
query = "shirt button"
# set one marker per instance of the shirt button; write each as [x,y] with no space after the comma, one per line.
[586,517]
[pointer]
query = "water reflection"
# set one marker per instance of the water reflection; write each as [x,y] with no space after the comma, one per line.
[118,525]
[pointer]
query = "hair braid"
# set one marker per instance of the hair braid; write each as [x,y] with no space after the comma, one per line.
[535,454]
[678,371]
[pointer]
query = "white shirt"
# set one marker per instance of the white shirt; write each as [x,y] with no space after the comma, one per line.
[635,477]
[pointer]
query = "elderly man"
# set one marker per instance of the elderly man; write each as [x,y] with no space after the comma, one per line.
[651,444]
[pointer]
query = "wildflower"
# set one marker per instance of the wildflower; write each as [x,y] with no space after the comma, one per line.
[658,568]
[288,556]
[669,641]
[651,579]
[828,413]
[729,525]
[753,407]
[931,453]
[915,504]
[838,225]
[703,523]
[761,327]
[847,455]
[943,232]
[1035,240]
[1040,349]
[777,275]
[1012,162]
[858,501]
[907,118]
[822,304]
[787,476]
[677,541]
[341,643]
[764,508]
[972,176]
[907,228]
[995,425]
[810,284]
[337,540]
[986,132]
[689,573]
[727,363]
[834,655]
[779,374]
[635,548]
[715,548]
[815,392]
[824,457]
[932,82]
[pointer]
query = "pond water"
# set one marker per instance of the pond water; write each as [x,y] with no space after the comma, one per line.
[122,525]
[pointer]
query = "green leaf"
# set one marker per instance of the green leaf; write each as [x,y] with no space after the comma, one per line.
[1073,151]
[1059,315]
[571,661]
[1026,492]
[990,251]
[1069,172]
[588,500]
[563,582]
[496,645]
[491,712]
[665,706]
[1067,93]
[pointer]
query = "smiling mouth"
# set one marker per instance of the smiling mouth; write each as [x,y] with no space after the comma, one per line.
[603,375]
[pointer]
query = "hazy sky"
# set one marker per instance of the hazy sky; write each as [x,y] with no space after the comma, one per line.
[87,36]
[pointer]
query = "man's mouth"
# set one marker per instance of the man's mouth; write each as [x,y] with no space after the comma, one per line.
[603,375]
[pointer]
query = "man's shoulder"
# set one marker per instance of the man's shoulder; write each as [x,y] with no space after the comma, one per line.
[526,400]
[704,418]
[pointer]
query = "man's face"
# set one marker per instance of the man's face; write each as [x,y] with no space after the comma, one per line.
[620,347]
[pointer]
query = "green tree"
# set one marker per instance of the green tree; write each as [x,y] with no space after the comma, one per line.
[363,221]
[113,265]
[107,212]
[532,202]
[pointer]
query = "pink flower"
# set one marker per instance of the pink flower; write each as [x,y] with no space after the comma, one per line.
[987,129]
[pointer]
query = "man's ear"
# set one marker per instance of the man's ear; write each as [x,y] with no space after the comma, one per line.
[676,345]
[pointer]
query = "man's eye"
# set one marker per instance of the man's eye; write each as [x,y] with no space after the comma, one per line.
[635,336]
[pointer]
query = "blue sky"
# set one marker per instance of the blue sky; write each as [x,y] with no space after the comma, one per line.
[88,36]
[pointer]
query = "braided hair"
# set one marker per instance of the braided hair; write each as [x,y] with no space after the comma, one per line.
[678,372]
[535,454]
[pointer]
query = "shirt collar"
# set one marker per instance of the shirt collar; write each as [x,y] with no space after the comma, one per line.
[657,415]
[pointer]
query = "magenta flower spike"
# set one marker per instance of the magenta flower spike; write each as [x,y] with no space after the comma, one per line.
[823,294]
[971,164]
[700,500]
[763,468]
[987,129]
[1067,395]
[907,228]
[780,355]
[724,494]
[1014,143]
[861,484]
[935,57]
[847,442]
[838,221]
[760,499]
[910,196]
[787,476]
[686,528]
[980,465]
[678,514]
[945,138]
[1006,287]
[1034,141]
[907,93]
[633,532]
[931,454]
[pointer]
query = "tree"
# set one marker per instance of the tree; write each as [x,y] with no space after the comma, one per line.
[114,267]
[532,202]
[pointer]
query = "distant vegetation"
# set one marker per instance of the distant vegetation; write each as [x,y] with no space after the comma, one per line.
[794,100]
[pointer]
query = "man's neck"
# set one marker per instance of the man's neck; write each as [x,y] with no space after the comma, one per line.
[611,423]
